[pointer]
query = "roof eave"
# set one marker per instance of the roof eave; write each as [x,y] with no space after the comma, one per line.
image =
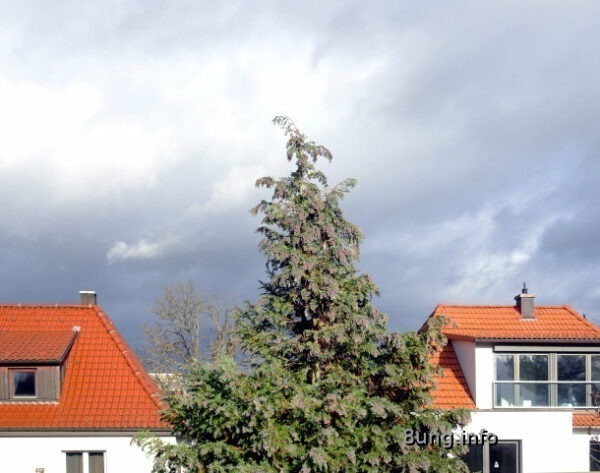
[569,341]
[84,432]
[56,361]
[467,338]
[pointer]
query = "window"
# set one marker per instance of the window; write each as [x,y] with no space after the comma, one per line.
[22,382]
[595,373]
[594,455]
[549,379]
[571,390]
[74,462]
[522,380]
[533,370]
[502,457]
[96,462]
[505,371]
[474,457]
[77,460]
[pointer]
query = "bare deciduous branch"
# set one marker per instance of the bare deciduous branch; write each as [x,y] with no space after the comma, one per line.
[188,326]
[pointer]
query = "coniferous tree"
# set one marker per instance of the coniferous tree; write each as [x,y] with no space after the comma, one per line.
[327,387]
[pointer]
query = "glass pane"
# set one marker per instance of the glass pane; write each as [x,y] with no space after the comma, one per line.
[533,367]
[474,458]
[505,368]
[96,462]
[594,456]
[571,394]
[504,458]
[24,382]
[571,367]
[596,367]
[595,395]
[505,394]
[74,462]
[534,394]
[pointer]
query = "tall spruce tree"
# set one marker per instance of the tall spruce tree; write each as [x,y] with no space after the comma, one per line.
[328,388]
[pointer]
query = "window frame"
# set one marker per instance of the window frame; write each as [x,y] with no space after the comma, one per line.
[85,459]
[486,457]
[594,455]
[12,386]
[517,382]
[552,382]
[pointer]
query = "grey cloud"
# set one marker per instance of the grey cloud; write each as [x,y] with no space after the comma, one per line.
[472,129]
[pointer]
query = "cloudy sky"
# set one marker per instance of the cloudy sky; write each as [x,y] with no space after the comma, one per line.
[131,134]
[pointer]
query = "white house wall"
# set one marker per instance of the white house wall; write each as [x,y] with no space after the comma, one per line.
[484,374]
[548,443]
[26,454]
[477,365]
[465,353]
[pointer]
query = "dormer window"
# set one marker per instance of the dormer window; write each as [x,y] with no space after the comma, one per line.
[33,364]
[23,382]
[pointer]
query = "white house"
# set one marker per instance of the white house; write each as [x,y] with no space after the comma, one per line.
[72,393]
[528,374]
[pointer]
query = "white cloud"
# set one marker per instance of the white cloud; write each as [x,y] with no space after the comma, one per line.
[37,118]
[85,155]
[233,190]
[151,121]
[141,250]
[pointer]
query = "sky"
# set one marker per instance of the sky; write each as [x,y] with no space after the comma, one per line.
[132,132]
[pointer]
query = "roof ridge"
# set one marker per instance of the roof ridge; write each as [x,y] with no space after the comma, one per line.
[67,349]
[551,322]
[504,306]
[18,305]
[131,359]
[581,318]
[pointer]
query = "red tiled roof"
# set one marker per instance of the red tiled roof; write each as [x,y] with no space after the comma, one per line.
[451,389]
[560,323]
[105,386]
[550,323]
[586,419]
[20,346]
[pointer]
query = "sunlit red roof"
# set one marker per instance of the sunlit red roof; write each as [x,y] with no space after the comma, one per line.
[586,419]
[17,346]
[550,323]
[105,386]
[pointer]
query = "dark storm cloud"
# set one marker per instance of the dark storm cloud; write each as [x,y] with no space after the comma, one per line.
[134,132]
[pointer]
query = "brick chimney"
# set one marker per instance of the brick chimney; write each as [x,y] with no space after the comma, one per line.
[525,303]
[87,297]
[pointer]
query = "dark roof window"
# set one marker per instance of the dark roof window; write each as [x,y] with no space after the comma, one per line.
[23,382]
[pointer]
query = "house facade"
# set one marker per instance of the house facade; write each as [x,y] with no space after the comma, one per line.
[72,393]
[529,374]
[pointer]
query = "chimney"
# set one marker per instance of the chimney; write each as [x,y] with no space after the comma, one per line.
[87,297]
[525,303]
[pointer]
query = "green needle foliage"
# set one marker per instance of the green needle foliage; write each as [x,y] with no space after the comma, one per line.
[325,386]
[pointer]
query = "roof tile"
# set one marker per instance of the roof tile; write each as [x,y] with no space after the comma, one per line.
[29,346]
[586,419]
[505,322]
[451,390]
